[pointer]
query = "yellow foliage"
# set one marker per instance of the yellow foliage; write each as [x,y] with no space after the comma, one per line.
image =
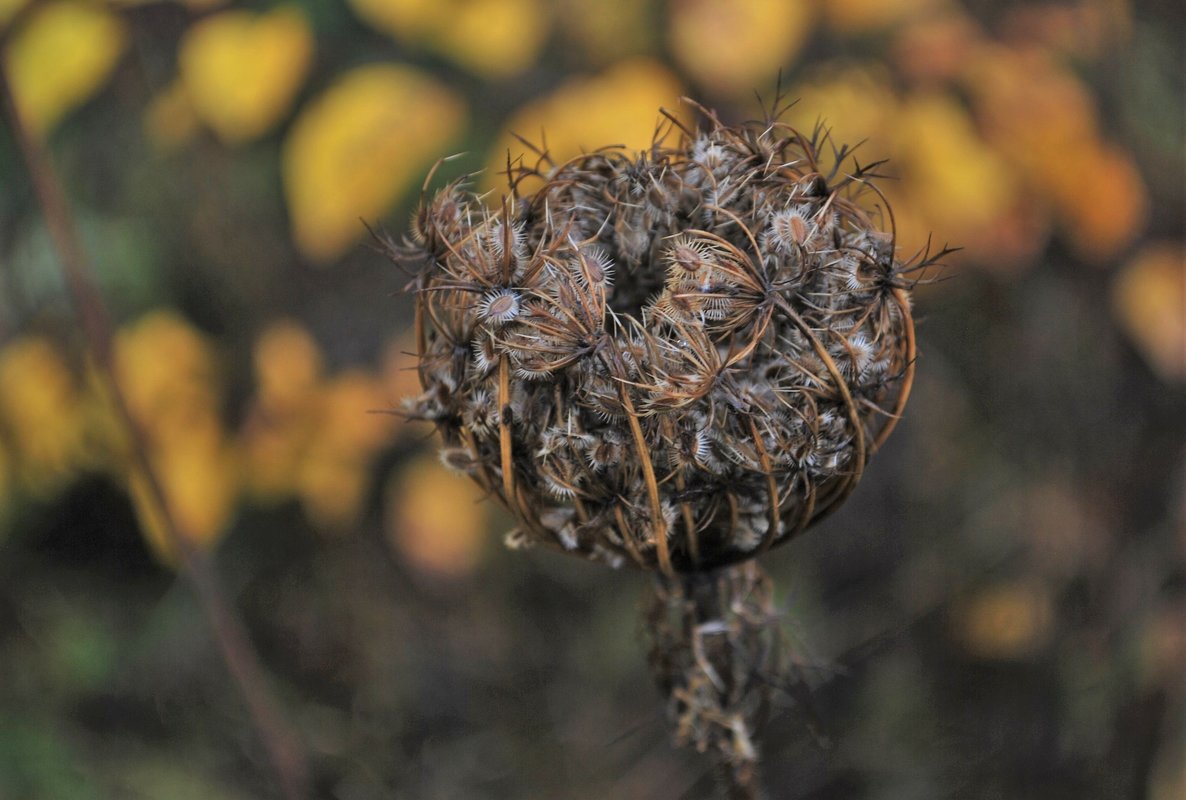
[1149,300]
[166,369]
[41,414]
[734,46]
[199,475]
[286,411]
[355,148]
[951,180]
[435,519]
[170,120]
[618,106]
[855,104]
[241,70]
[60,57]
[1007,621]
[168,373]
[1043,119]
[335,471]
[492,38]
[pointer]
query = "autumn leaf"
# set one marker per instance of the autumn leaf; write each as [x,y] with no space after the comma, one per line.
[60,57]
[354,150]
[241,70]
[732,46]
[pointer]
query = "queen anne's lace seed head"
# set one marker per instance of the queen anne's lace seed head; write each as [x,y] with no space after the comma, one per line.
[676,359]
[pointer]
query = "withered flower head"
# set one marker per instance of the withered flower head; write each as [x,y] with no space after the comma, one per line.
[677,359]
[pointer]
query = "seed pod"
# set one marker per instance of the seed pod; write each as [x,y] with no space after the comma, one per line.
[677,359]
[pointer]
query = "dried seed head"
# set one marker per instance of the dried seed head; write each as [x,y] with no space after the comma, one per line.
[677,359]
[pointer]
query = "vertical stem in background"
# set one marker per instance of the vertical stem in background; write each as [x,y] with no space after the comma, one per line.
[281,742]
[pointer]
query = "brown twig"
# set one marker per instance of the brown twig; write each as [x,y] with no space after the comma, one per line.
[279,739]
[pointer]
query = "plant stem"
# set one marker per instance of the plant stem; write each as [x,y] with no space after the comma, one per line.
[283,746]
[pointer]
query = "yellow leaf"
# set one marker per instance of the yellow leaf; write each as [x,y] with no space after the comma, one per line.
[958,184]
[492,38]
[734,46]
[60,57]
[855,104]
[618,106]
[199,475]
[241,70]
[354,149]
[41,414]
[167,371]
[435,519]
[1149,299]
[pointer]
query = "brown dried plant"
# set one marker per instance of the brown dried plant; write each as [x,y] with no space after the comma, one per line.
[676,359]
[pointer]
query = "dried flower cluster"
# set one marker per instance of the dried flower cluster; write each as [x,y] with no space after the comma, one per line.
[678,358]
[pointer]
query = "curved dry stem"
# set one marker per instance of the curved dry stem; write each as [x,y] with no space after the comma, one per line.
[908,378]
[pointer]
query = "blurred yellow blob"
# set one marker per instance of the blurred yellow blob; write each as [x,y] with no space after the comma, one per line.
[1149,300]
[41,414]
[285,413]
[950,179]
[60,57]
[856,104]
[336,468]
[435,519]
[288,365]
[1007,621]
[859,16]
[492,38]
[241,70]
[620,106]
[357,147]
[167,371]
[1043,119]
[170,120]
[199,475]
[733,47]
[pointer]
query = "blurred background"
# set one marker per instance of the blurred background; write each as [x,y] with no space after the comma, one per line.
[999,611]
